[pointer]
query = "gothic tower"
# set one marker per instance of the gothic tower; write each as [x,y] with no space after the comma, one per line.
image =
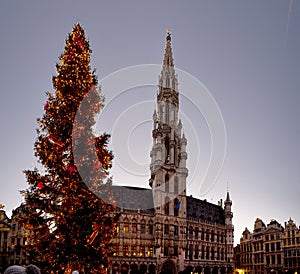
[168,163]
[229,227]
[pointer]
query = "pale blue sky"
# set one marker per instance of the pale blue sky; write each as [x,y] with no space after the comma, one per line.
[247,53]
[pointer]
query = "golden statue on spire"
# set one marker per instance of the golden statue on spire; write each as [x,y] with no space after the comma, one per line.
[168,34]
[2,206]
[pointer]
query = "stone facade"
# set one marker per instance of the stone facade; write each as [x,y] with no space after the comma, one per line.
[12,240]
[161,230]
[5,228]
[270,249]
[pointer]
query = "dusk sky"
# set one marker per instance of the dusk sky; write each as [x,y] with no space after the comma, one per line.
[245,53]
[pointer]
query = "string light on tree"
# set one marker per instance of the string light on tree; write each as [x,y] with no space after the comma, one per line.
[71,228]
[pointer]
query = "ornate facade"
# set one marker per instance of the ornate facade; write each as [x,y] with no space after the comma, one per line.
[270,249]
[161,230]
[12,240]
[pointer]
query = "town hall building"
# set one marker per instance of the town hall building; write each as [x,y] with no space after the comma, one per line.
[161,229]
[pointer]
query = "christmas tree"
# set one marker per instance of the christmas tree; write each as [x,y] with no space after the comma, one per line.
[70,226]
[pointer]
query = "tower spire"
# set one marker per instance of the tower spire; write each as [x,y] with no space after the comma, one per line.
[168,57]
[168,84]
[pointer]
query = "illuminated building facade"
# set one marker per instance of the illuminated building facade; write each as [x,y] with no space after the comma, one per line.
[174,233]
[270,249]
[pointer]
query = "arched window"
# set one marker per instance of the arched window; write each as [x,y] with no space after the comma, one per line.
[207,253]
[196,252]
[150,228]
[202,252]
[207,235]
[134,226]
[143,226]
[191,252]
[167,206]
[196,233]
[176,185]
[167,82]
[190,235]
[126,225]
[167,188]
[167,149]
[176,206]
[167,113]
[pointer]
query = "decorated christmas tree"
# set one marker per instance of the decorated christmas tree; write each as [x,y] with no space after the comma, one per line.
[70,223]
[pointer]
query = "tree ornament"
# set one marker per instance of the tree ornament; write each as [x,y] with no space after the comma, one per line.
[40,185]
[72,168]
[54,140]
[46,106]
[96,229]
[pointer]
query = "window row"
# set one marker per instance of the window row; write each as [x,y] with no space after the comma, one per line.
[273,259]
[207,253]
[133,250]
[273,246]
[135,228]
[207,235]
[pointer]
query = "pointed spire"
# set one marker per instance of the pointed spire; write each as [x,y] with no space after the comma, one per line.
[168,84]
[227,197]
[168,57]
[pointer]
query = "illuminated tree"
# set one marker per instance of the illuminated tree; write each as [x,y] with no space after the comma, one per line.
[70,226]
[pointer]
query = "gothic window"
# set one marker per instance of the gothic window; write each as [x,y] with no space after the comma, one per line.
[167,82]
[150,253]
[167,149]
[125,250]
[212,253]
[202,252]
[166,251]
[212,237]
[166,229]
[186,253]
[143,226]
[207,253]
[202,235]
[191,252]
[176,185]
[167,188]
[160,112]
[167,209]
[167,113]
[196,252]
[142,251]
[175,230]
[190,233]
[126,226]
[207,235]
[176,206]
[150,228]
[134,226]
[175,253]
[196,233]
[133,250]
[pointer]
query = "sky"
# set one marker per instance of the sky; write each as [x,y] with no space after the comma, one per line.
[244,54]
